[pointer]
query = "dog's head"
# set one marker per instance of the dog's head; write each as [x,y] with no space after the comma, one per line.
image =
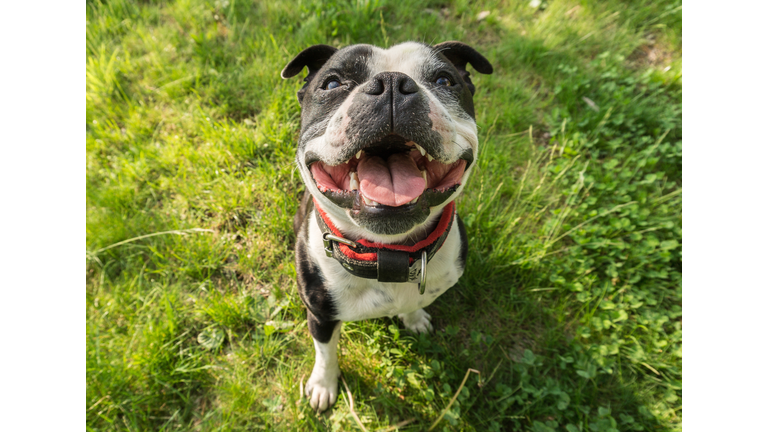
[388,137]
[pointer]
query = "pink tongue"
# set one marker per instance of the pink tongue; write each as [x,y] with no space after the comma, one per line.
[393,183]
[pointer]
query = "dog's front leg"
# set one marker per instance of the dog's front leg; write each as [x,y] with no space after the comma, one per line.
[323,385]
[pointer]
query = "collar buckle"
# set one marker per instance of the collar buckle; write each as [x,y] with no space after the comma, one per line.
[328,246]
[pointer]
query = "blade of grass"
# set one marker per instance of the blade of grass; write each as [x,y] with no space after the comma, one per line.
[131,240]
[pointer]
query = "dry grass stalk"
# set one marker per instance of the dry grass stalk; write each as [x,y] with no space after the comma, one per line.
[352,405]
[453,399]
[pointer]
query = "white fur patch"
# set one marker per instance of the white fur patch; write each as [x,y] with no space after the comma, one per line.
[408,58]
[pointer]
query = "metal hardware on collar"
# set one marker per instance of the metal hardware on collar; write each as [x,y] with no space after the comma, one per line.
[392,266]
[328,246]
[423,280]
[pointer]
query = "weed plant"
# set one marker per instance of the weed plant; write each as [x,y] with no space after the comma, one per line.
[571,305]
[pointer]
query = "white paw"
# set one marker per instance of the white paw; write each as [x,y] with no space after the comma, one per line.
[417,322]
[322,389]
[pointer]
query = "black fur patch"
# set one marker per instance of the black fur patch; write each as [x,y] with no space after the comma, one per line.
[462,261]
[353,62]
[301,214]
[321,331]
[321,309]
[460,54]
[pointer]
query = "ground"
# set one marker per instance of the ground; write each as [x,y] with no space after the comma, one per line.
[570,308]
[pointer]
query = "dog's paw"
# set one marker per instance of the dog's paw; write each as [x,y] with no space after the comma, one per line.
[322,390]
[417,321]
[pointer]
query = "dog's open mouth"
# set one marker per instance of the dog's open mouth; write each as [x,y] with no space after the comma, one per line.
[393,173]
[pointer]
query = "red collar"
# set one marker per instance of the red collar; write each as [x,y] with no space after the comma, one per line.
[384,262]
[442,227]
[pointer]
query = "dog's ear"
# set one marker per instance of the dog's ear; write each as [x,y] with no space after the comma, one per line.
[460,54]
[313,58]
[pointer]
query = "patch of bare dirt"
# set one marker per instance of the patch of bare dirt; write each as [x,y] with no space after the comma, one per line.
[652,54]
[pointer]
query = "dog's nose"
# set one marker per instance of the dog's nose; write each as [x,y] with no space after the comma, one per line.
[405,84]
[385,82]
[391,102]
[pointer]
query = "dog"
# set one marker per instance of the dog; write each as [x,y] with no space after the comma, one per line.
[388,140]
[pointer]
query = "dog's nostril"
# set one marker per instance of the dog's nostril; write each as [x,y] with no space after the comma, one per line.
[374,87]
[407,85]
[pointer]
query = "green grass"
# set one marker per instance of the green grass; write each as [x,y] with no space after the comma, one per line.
[570,307]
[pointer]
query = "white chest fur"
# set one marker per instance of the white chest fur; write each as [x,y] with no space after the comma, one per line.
[359,298]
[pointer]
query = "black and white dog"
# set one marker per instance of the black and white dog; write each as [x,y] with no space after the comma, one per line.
[388,140]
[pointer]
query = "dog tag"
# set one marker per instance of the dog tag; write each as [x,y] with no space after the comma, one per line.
[418,272]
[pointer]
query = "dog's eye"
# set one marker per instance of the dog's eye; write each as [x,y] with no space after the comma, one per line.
[443,81]
[330,85]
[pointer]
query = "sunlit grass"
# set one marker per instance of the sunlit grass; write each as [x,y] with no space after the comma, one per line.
[570,307]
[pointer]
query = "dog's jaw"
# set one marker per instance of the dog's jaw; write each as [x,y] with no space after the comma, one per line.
[342,219]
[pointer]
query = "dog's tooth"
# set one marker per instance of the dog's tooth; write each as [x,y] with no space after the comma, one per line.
[353,181]
[414,200]
[424,174]
[369,201]
[421,149]
[347,161]
[430,158]
[360,153]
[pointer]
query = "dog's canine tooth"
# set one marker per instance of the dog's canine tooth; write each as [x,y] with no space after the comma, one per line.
[353,181]
[424,174]
[370,202]
[359,153]
[414,200]
[421,149]
[430,158]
